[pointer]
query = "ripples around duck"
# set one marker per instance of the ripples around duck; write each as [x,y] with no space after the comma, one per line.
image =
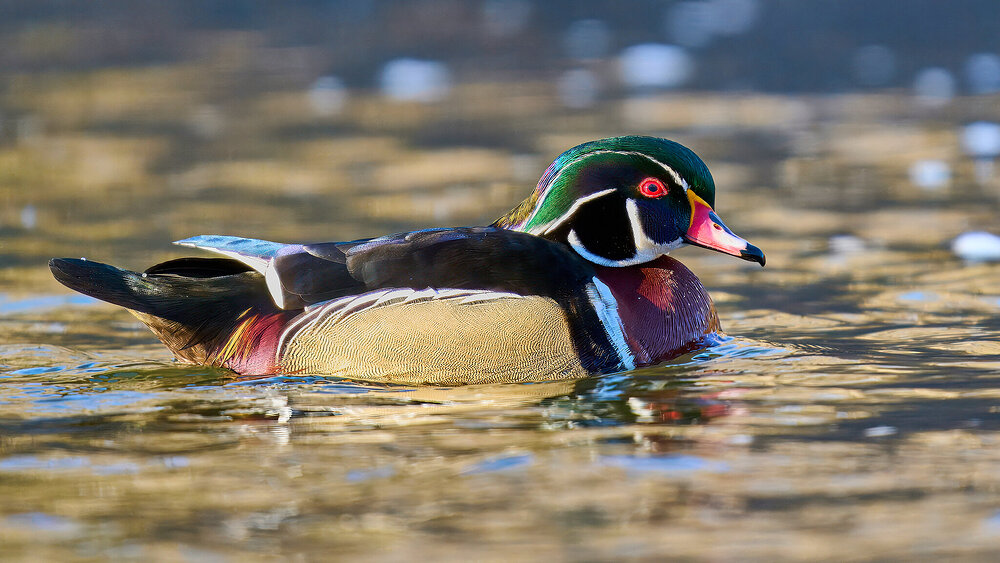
[815,417]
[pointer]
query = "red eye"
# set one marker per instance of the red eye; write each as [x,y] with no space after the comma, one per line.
[651,187]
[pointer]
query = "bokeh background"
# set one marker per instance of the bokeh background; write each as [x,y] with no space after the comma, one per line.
[316,120]
[851,414]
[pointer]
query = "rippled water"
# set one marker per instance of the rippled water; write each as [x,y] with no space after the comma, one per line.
[851,412]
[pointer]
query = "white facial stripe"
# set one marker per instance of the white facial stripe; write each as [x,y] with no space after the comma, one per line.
[551,226]
[646,249]
[541,199]
[644,246]
[606,306]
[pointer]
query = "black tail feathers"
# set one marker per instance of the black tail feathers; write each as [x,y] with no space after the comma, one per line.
[192,304]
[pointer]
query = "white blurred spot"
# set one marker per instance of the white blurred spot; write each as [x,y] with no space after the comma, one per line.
[846,244]
[982,72]
[29,217]
[504,18]
[587,39]
[843,248]
[934,86]
[874,65]
[578,88]
[740,440]
[880,431]
[654,65]
[415,80]
[930,174]
[981,139]
[327,95]
[977,246]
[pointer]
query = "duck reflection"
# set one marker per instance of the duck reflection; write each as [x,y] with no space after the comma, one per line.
[612,400]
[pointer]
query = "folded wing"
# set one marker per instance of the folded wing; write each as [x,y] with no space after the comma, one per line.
[475,258]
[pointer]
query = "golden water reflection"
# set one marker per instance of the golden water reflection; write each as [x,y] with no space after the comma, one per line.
[852,413]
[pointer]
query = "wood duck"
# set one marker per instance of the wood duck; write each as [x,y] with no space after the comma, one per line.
[574,281]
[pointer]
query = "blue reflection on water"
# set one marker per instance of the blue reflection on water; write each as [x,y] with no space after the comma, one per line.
[924,296]
[359,475]
[673,464]
[505,463]
[8,306]
[48,399]
[32,463]
[23,463]
[34,371]
[41,522]
[98,400]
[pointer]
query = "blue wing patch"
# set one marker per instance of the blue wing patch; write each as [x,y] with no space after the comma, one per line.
[253,252]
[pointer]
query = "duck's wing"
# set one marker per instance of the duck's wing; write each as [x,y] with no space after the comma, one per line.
[295,275]
[484,258]
[465,279]
[477,258]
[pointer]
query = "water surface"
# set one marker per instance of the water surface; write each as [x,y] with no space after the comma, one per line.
[851,412]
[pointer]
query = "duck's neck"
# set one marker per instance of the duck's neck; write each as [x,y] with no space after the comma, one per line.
[664,308]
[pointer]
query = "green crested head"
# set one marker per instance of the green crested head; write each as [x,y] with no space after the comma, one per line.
[626,200]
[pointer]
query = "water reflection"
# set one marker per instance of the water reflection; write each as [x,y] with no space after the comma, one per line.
[856,394]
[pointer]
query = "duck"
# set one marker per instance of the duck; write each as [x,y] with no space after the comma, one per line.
[575,281]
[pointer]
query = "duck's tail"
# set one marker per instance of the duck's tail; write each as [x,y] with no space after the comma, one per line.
[207,311]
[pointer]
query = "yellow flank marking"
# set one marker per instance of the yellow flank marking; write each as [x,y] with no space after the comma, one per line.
[233,344]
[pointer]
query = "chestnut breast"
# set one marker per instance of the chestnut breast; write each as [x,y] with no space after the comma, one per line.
[664,308]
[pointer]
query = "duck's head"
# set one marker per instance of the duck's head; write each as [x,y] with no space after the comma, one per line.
[628,200]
